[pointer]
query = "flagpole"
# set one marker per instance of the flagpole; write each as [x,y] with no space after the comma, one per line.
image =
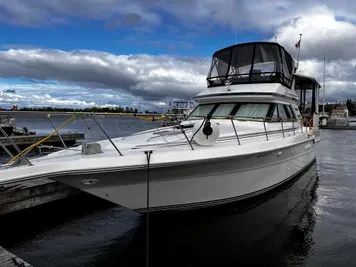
[300,42]
[324,87]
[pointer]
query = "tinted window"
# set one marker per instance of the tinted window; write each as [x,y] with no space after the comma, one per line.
[291,112]
[282,113]
[201,110]
[224,110]
[286,109]
[252,110]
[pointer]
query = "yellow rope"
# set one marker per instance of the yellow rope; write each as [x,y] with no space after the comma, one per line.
[153,118]
[44,139]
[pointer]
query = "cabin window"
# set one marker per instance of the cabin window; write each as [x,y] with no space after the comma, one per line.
[224,110]
[201,111]
[289,108]
[282,113]
[275,112]
[252,110]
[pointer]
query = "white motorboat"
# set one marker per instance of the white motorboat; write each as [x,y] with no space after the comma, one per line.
[339,116]
[178,111]
[244,138]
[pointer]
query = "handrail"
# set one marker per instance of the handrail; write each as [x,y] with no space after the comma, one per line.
[246,118]
[185,135]
[231,118]
[107,136]
[282,127]
[233,125]
[44,139]
[54,127]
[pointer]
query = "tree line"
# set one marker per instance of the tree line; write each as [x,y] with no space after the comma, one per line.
[117,109]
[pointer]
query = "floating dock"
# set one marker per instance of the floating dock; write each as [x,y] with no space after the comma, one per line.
[7,259]
[22,141]
[23,195]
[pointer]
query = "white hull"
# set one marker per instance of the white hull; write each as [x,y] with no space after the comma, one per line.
[201,184]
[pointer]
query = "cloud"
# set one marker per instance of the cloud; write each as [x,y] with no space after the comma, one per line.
[321,33]
[146,76]
[40,95]
[262,15]
[39,13]
[340,78]
[327,26]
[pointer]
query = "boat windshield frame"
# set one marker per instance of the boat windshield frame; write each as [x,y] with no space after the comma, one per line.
[248,63]
[272,112]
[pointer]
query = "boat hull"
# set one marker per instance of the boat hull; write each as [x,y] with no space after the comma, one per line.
[200,184]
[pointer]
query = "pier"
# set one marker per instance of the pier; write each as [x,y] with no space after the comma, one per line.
[23,195]
[22,141]
[7,259]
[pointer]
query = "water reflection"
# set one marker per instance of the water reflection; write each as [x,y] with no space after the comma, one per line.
[275,231]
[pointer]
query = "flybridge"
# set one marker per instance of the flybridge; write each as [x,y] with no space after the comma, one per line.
[257,62]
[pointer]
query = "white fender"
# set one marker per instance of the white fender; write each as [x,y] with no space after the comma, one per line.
[201,139]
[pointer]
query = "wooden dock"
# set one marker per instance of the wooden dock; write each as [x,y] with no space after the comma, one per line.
[7,259]
[27,140]
[23,195]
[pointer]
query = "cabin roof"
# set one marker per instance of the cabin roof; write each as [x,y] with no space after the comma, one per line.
[250,43]
[306,82]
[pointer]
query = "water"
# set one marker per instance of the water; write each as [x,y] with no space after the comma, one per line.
[310,222]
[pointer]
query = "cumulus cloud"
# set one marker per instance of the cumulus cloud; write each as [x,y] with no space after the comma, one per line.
[263,14]
[34,13]
[327,26]
[340,80]
[40,95]
[322,32]
[146,76]
[8,99]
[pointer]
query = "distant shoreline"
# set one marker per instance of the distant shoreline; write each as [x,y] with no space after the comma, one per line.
[122,114]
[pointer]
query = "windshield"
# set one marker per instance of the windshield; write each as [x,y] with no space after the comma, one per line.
[252,110]
[238,110]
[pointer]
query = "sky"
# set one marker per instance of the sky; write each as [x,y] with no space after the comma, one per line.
[145,53]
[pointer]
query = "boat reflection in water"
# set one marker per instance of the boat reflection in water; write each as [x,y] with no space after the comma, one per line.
[275,229]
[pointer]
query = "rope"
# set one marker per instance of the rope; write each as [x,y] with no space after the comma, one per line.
[201,125]
[44,139]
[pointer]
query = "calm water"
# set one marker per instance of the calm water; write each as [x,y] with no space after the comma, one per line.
[310,222]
